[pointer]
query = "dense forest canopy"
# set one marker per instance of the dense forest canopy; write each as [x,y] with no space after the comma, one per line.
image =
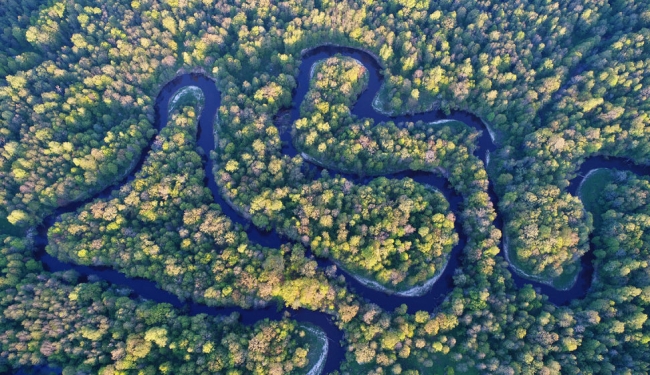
[556,82]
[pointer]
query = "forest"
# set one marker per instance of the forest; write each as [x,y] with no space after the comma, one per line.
[92,175]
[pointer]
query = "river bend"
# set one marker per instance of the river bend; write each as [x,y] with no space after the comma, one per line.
[363,109]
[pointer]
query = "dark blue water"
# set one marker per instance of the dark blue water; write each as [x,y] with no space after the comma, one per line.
[363,109]
[596,162]
[149,290]
[583,282]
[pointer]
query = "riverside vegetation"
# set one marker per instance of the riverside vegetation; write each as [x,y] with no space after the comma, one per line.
[558,82]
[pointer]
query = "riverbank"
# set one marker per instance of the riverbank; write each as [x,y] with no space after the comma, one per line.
[416,291]
[560,283]
[240,211]
[428,302]
[186,93]
[306,51]
[318,337]
[589,189]
[378,105]
[492,132]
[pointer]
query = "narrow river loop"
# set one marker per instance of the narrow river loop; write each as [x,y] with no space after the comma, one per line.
[363,109]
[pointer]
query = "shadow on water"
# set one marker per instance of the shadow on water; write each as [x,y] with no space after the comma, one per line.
[363,109]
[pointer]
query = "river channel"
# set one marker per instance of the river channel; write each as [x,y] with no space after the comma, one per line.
[363,109]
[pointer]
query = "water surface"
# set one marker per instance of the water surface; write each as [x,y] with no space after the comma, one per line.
[363,109]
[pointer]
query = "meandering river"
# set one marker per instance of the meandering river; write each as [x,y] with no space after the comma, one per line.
[363,108]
